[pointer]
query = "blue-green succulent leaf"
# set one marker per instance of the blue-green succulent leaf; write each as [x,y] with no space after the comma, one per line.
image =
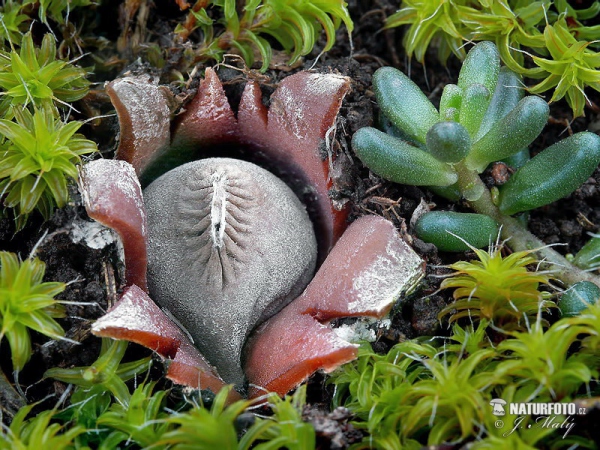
[481,66]
[384,124]
[398,161]
[448,142]
[517,160]
[589,255]
[578,297]
[475,102]
[451,192]
[451,100]
[442,228]
[510,134]
[403,102]
[509,91]
[551,174]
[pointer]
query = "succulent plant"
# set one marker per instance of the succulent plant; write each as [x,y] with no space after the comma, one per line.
[588,257]
[578,298]
[482,119]
[588,318]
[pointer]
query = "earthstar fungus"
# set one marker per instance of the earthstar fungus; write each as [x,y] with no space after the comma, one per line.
[231,250]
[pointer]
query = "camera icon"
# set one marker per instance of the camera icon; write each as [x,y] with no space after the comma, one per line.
[498,405]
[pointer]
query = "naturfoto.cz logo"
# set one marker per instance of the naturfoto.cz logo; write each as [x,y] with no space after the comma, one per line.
[558,416]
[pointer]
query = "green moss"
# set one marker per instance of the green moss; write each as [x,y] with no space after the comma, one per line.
[27,303]
[499,289]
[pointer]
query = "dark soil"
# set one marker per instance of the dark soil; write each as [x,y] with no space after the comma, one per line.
[95,277]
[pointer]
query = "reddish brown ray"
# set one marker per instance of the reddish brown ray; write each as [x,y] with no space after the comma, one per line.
[252,115]
[208,119]
[283,354]
[112,195]
[144,120]
[136,318]
[366,271]
[190,368]
[299,124]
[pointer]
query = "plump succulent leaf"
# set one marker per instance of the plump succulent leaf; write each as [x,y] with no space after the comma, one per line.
[551,174]
[448,141]
[481,66]
[511,133]
[450,102]
[507,94]
[475,101]
[451,192]
[399,161]
[555,35]
[589,255]
[589,321]
[578,297]
[403,102]
[473,130]
[456,232]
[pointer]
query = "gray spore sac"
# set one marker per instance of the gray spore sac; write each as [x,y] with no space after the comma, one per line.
[229,246]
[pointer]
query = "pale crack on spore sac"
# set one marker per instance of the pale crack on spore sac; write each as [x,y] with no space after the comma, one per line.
[216,227]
